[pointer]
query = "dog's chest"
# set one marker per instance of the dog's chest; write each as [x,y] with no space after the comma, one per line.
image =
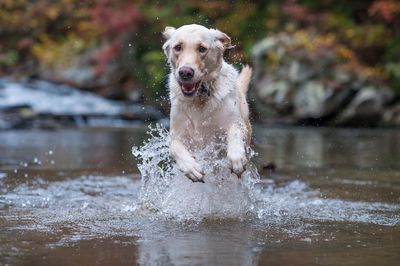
[205,127]
[204,122]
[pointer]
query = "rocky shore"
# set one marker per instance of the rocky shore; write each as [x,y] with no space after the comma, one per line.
[306,79]
[299,79]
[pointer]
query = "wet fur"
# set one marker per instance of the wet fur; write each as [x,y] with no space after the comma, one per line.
[220,114]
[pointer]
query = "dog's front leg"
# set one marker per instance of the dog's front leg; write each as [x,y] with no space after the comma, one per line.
[186,162]
[236,148]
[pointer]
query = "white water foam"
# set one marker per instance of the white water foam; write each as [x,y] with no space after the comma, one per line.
[167,191]
[165,200]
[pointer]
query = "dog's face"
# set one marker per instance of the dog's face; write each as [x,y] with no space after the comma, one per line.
[194,54]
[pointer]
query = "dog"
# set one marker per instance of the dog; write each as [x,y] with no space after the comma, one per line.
[208,98]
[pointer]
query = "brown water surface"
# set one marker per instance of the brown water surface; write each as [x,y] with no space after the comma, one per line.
[69,197]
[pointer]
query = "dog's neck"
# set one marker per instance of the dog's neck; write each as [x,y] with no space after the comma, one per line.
[208,83]
[205,89]
[214,88]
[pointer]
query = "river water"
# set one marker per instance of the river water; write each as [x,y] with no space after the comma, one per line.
[70,197]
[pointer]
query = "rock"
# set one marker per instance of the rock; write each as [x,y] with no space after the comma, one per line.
[301,78]
[365,109]
[315,100]
[14,116]
[309,100]
[391,116]
[275,98]
[299,71]
[335,99]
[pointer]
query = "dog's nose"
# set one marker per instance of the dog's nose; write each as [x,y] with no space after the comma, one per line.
[186,73]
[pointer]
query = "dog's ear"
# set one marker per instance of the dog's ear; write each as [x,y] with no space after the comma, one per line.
[223,38]
[168,31]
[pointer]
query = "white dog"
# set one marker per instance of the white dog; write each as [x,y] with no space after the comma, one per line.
[208,98]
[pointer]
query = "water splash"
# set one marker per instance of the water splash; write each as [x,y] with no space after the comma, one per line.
[166,190]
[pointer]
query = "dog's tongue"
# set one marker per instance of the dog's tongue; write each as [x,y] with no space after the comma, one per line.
[188,86]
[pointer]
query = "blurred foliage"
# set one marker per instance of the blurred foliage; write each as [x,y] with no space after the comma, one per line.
[52,34]
[57,54]
[307,45]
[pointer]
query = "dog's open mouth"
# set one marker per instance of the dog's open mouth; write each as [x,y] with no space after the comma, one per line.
[189,88]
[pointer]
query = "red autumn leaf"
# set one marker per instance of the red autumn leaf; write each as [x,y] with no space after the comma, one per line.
[108,52]
[387,9]
[297,12]
[25,43]
[115,20]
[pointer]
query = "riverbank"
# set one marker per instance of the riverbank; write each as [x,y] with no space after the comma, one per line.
[34,103]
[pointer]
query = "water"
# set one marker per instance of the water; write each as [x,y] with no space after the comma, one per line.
[72,197]
[165,191]
[45,97]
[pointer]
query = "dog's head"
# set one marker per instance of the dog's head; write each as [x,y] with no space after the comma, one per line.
[194,54]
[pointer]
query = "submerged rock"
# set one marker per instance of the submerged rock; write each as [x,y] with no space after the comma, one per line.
[41,104]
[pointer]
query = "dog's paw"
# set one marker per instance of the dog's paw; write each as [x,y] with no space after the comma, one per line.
[237,161]
[191,169]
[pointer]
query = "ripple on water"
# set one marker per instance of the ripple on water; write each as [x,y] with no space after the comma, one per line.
[99,206]
[92,205]
[166,191]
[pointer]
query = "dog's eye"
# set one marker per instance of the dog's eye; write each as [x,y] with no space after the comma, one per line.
[202,49]
[178,47]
